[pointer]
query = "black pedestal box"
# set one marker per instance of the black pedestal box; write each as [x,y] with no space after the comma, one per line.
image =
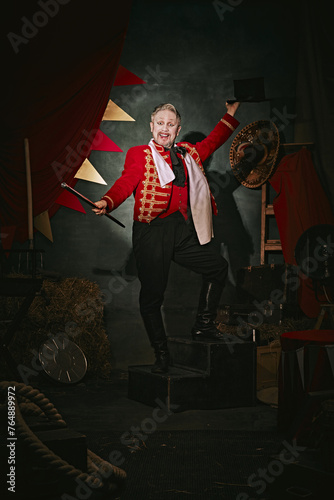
[203,375]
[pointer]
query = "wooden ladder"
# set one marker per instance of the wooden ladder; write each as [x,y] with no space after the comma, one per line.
[267,210]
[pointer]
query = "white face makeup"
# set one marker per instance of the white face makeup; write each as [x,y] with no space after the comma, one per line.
[165,128]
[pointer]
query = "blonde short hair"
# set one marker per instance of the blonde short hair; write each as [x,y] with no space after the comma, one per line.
[164,106]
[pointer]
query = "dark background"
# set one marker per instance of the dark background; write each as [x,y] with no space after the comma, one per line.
[188,53]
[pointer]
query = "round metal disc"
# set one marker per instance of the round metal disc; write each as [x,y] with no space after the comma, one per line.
[62,360]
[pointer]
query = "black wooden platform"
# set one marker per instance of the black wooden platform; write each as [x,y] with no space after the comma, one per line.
[203,375]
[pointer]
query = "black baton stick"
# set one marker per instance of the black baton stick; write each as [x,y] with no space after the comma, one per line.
[86,200]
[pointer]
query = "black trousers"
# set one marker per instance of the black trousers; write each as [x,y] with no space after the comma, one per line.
[157,244]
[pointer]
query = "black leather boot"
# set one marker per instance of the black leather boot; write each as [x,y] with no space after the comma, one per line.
[156,333]
[204,327]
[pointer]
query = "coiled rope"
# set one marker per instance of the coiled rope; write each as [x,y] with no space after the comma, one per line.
[101,475]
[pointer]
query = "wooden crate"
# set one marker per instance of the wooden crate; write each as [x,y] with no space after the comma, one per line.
[268,357]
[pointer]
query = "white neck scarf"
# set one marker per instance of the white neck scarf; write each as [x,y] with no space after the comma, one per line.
[199,192]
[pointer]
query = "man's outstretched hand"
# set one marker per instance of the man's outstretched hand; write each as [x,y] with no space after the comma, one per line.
[232,108]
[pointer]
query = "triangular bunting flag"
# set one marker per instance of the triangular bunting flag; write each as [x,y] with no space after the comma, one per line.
[7,234]
[69,200]
[42,224]
[88,173]
[115,113]
[102,142]
[125,77]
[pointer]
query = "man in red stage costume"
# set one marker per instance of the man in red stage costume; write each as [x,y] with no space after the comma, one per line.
[172,220]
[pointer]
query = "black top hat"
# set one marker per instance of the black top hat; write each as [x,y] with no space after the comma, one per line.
[249,90]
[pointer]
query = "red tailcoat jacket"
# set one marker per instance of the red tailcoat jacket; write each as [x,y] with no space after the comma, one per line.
[140,175]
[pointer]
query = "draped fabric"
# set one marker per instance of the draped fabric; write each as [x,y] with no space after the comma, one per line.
[60,61]
[314,120]
[300,201]
[306,189]
[299,204]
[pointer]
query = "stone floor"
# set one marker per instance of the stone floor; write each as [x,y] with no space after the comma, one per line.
[101,410]
[104,404]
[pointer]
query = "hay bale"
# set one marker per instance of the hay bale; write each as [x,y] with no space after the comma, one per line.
[70,306]
[269,332]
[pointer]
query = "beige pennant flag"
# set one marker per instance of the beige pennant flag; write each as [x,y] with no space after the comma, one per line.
[88,173]
[42,224]
[115,113]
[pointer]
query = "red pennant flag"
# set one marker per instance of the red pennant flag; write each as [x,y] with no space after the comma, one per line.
[7,237]
[102,142]
[69,200]
[125,77]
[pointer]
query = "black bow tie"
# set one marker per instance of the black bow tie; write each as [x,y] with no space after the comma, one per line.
[179,149]
[177,165]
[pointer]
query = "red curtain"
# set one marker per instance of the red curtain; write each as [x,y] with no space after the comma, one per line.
[300,203]
[60,61]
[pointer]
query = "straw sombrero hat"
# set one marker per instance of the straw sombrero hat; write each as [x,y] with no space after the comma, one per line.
[253,153]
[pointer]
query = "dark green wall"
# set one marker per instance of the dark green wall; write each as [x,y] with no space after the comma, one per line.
[189,53]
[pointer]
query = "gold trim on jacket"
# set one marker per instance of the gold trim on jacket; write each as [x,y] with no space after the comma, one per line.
[149,204]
